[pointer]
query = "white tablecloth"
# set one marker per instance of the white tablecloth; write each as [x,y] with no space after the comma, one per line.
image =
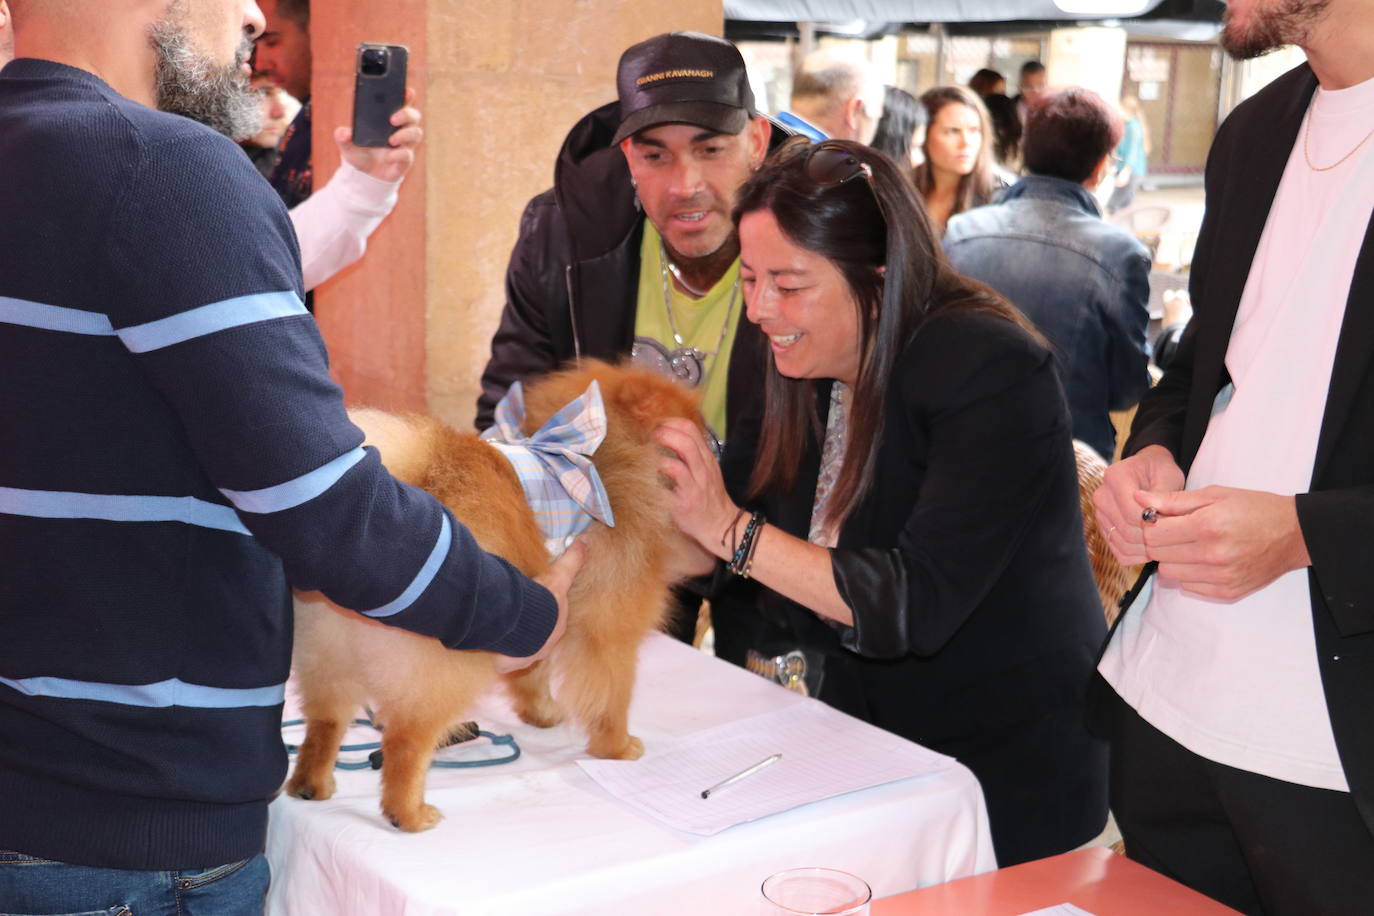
[539,837]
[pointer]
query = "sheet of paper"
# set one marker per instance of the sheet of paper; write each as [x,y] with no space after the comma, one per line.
[824,753]
[1062,909]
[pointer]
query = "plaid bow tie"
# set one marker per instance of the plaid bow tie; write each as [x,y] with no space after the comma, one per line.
[555,464]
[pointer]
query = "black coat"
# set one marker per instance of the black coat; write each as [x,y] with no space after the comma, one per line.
[976,616]
[1244,168]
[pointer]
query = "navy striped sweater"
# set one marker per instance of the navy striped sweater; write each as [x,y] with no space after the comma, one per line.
[173,453]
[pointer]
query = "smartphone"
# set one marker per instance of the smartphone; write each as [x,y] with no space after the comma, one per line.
[379,91]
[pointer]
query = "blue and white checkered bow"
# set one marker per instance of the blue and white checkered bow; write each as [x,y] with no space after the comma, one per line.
[555,464]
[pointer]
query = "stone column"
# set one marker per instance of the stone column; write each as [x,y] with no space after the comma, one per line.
[500,84]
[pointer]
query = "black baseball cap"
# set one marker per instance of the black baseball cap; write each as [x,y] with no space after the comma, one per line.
[683,78]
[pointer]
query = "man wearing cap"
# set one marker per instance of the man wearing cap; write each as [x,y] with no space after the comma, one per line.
[633,250]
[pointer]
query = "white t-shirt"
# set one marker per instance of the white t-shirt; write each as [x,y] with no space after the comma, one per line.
[1237,682]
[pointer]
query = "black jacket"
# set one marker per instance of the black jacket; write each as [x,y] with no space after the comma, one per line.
[1337,516]
[573,278]
[976,616]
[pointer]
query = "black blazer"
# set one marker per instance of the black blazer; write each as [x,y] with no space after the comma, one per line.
[977,620]
[1244,168]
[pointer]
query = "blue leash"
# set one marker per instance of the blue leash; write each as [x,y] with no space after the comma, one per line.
[374,759]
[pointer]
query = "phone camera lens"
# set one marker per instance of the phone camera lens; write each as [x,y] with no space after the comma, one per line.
[374,61]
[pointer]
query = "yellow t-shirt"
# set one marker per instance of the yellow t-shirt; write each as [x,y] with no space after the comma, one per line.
[699,321]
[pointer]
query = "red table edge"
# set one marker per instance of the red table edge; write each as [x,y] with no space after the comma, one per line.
[1094,879]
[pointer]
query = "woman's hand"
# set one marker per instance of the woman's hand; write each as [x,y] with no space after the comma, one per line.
[704,512]
[701,507]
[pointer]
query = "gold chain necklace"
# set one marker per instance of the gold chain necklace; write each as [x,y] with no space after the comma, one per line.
[1307,136]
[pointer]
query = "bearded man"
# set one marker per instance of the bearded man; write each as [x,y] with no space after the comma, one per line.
[174,453]
[334,224]
[1242,673]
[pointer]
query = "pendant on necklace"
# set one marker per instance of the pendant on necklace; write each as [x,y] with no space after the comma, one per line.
[686,364]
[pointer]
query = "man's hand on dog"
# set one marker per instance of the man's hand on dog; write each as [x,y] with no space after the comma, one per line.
[558,579]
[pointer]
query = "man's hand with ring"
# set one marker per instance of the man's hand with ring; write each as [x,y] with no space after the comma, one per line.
[1223,542]
[1118,513]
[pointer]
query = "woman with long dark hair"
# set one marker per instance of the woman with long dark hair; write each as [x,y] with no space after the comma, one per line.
[1006,131]
[901,131]
[958,173]
[986,82]
[912,512]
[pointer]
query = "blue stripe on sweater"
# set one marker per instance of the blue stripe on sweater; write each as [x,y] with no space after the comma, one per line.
[422,578]
[295,492]
[54,317]
[209,319]
[171,692]
[113,508]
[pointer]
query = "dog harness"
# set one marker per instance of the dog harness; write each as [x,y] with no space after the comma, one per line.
[555,465]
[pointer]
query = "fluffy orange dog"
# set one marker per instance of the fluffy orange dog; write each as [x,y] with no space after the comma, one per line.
[417,689]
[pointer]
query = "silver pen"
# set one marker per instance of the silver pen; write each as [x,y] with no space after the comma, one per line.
[706,793]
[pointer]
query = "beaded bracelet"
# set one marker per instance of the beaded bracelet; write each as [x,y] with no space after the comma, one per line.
[742,549]
[753,545]
[730,530]
[744,553]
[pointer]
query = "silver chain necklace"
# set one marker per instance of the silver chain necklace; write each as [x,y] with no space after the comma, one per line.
[681,280]
[687,364]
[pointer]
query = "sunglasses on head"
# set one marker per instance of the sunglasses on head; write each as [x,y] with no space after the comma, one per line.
[830,163]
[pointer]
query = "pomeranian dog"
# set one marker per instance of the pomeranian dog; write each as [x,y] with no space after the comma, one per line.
[418,690]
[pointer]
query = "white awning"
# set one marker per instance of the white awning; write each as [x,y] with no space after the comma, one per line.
[932,10]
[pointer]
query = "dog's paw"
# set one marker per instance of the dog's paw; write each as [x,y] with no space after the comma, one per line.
[300,786]
[631,748]
[541,713]
[422,818]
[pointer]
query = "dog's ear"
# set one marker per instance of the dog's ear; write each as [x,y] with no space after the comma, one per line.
[645,399]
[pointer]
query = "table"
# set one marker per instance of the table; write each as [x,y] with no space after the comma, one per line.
[538,836]
[1096,879]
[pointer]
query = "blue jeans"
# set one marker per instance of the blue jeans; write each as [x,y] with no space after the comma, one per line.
[30,886]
